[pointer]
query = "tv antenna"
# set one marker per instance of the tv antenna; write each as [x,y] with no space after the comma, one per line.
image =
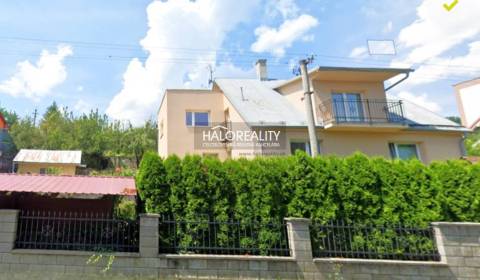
[211,72]
[243,96]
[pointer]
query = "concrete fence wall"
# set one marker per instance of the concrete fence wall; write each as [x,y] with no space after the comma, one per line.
[459,246]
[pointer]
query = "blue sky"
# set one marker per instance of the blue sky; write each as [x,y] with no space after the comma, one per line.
[119,56]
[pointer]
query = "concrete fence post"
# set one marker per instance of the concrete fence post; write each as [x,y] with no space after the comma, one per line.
[459,247]
[149,235]
[8,229]
[298,231]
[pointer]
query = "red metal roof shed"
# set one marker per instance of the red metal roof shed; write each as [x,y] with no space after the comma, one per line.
[85,185]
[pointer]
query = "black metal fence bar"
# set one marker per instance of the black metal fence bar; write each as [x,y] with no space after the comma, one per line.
[362,111]
[76,231]
[223,238]
[339,240]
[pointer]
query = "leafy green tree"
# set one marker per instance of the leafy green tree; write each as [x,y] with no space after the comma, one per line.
[197,200]
[104,143]
[152,184]
[472,143]
[455,119]
[141,139]
[25,135]
[54,127]
[409,195]
[314,194]
[459,185]
[10,116]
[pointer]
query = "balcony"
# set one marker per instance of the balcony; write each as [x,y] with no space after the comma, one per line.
[362,113]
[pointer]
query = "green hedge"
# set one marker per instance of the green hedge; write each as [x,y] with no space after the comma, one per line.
[354,189]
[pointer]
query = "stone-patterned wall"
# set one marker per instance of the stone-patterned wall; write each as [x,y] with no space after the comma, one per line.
[459,246]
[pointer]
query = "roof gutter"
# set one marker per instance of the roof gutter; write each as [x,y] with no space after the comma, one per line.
[407,74]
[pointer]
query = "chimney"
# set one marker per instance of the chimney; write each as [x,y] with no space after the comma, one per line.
[261,67]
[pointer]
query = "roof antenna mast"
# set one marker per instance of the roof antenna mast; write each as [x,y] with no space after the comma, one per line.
[243,96]
[211,72]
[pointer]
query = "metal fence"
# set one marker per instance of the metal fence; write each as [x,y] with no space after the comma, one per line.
[76,231]
[340,240]
[205,236]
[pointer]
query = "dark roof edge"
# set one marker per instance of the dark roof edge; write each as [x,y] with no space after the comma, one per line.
[365,69]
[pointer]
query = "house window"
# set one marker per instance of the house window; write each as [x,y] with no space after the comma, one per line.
[348,107]
[302,146]
[197,119]
[404,151]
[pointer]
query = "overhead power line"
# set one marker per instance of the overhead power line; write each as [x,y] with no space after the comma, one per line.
[229,52]
[236,57]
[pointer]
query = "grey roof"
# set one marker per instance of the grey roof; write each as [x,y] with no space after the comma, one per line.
[49,156]
[261,105]
[421,118]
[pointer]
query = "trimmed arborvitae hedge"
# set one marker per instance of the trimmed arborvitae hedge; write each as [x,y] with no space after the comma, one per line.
[354,189]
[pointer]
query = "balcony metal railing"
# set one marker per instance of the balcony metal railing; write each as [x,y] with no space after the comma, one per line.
[362,111]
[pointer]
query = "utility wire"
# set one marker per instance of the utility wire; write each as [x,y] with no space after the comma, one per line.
[283,62]
[229,52]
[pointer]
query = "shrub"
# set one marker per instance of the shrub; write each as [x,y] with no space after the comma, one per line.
[356,189]
[152,184]
[125,209]
[459,190]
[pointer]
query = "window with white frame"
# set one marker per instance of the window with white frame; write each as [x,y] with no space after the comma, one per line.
[197,118]
[404,151]
[348,107]
[302,145]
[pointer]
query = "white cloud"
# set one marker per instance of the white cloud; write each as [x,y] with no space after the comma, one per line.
[459,66]
[436,31]
[359,52]
[286,8]
[181,24]
[229,70]
[83,107]
[388,27]
[435,44]
[276,40]
[35,81]
[420,99]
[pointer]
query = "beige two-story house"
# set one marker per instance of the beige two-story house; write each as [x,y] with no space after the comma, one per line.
[351,109]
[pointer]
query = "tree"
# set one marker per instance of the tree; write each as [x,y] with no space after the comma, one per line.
[10,116]
[141,140]
[472,143]
[152,184]
[455,119]
[25,135]
[104,143]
